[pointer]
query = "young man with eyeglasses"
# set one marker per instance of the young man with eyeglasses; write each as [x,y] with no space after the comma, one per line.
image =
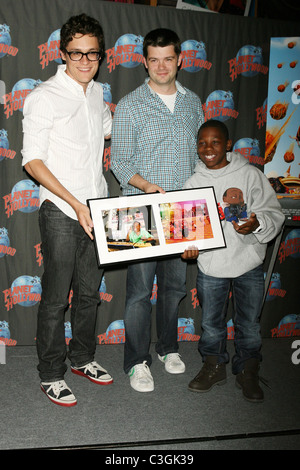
[65,124]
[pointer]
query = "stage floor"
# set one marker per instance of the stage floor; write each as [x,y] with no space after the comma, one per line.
[170,417]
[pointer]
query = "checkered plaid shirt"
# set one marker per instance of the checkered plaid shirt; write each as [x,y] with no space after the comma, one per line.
[150,140]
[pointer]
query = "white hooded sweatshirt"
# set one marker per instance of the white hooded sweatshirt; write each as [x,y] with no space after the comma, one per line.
[249,191]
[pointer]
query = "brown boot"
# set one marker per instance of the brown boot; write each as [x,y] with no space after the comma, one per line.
[248,381]
[211,374]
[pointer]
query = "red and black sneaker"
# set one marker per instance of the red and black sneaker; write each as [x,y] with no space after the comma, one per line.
[94,372]
[59,393]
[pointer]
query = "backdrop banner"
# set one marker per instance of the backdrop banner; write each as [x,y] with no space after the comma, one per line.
[225,61]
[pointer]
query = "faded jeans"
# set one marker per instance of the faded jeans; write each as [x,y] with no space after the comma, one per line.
[171,282]
[247,295]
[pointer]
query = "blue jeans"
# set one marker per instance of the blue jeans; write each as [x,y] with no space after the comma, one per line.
[69,261]
[171,280]
[247,295]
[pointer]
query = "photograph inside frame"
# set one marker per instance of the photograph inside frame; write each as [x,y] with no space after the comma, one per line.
[185,221]
[129,227]
[143,226]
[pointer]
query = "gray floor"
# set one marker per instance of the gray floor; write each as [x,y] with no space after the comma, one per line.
[116,417]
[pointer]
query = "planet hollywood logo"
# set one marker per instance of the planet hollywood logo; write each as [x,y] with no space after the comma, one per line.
[4,329]
[68,331]
[5,151]
[24,197]
[127,52]
[219,105]
[24,291]
[288,326]
[194,56]
[107,97]
[230,329]
[261,114]
[290,247]
[50,51]
[249,148]
[153,298]
[5,42]
[107,158]
[186,330]
[38,254]
[5,336]
[194,300]
[275,289]
[14,101]
[248,62]
[115,333]
[104,296]
[5,248]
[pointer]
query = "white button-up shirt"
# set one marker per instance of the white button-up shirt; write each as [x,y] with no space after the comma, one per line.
[65,128]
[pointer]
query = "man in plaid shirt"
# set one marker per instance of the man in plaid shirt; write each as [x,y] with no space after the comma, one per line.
[154,150]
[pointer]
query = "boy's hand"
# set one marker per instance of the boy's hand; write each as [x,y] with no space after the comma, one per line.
[190,253]
[248,227]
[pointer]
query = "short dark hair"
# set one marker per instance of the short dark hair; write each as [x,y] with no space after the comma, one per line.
[81,24]
[218,124]
[161,37]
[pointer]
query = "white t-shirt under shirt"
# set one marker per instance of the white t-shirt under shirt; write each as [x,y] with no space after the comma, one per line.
[65,128]
[169,100]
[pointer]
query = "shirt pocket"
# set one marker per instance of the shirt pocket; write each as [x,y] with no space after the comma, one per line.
[189,125]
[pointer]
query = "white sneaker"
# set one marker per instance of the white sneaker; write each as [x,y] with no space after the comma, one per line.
[141,379]
[173,363]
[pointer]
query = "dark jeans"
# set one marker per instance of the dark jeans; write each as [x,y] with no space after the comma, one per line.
[69,260]
[171,279]
[247,295]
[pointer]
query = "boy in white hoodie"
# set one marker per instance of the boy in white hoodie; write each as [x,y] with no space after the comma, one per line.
[251,217]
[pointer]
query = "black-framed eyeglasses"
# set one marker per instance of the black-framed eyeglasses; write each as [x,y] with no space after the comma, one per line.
[92,56]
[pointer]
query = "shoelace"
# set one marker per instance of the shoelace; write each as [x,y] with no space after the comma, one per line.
[93,367]
[142,370]
[57,387]
[173,357]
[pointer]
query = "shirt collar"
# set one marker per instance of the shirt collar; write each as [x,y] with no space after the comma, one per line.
[71,83]
[179,87]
